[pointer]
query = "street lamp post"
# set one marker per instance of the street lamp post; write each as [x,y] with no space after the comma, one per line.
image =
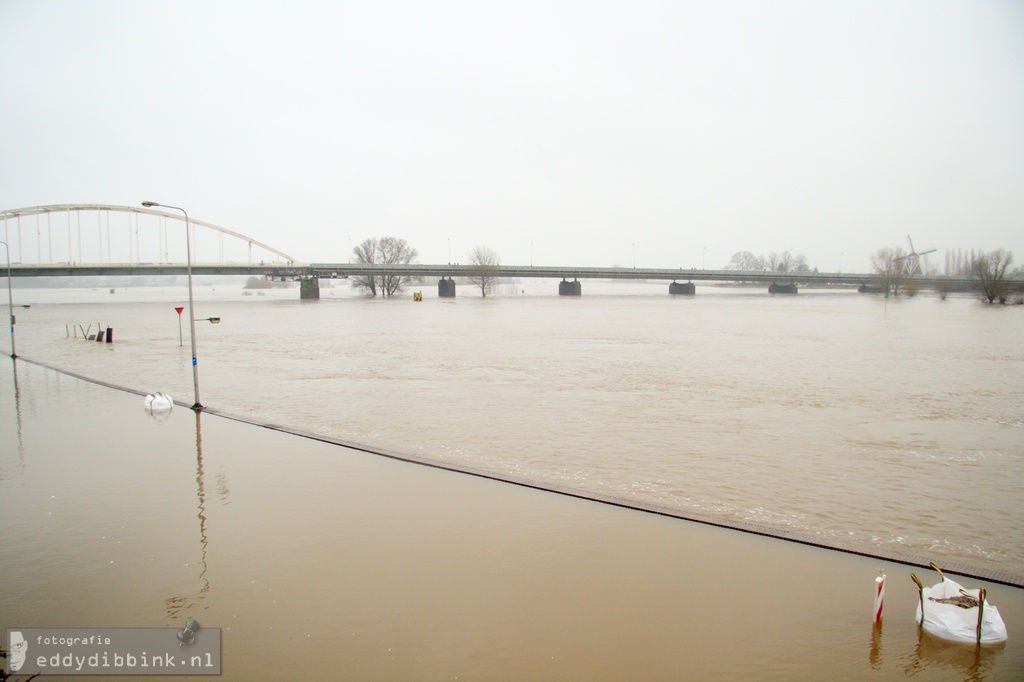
[10,297]
[191,305]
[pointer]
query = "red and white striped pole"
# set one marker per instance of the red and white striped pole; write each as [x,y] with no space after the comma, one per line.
[879,595]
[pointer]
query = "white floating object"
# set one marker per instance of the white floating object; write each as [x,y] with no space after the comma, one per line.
[158,403]
[952,612]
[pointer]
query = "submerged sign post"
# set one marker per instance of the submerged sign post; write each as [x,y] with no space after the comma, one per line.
[181,341]
[115,651]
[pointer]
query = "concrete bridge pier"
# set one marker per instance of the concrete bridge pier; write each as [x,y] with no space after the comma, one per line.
[309,288]
[688,289]
[776,288]
[446,288]
[573,288]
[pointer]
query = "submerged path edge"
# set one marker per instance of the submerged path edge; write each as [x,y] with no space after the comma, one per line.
[951,567]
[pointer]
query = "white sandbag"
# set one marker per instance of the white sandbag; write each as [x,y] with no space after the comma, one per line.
[956,623]
[156,403]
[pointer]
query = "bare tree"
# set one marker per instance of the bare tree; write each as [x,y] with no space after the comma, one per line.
[366,253]
[989,272]
[786,262]
[484,268]
[799,264]
[890,268]
[745,260]
[383,251]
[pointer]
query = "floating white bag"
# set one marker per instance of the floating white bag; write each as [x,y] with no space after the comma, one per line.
[158,405]
[952,613]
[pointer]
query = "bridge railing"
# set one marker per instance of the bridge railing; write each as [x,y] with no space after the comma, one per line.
[572,272]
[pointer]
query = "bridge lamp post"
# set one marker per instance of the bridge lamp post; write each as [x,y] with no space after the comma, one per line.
[191,305]
[10,297]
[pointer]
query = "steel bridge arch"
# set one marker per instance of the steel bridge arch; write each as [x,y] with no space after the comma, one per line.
[61,208]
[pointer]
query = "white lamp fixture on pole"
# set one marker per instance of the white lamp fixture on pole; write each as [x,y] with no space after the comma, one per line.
[10,298]
[191,306]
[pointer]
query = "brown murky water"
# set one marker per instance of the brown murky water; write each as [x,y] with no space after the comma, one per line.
[893,425]
[321,562]
[325,563]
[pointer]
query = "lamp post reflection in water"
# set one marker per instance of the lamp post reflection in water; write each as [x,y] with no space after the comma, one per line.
[177,605]
[18,419]
[201,496]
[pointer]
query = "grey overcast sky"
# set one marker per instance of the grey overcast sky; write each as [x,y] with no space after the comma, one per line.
[582,131]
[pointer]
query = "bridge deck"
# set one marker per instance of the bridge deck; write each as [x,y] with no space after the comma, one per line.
[336,270]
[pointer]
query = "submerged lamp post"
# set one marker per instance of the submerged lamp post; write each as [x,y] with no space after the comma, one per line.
[10,298]
[191,306]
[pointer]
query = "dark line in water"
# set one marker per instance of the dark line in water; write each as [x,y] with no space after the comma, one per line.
[707,519]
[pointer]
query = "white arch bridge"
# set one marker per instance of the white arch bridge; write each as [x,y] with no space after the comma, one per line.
[99,239]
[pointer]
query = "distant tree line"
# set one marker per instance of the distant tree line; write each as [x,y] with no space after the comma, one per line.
[773,262]
[264,282]
[959,262]
[894,271]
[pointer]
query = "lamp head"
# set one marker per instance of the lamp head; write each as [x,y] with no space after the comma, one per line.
[149,204]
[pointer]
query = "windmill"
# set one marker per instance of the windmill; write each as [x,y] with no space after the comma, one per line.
[914,258]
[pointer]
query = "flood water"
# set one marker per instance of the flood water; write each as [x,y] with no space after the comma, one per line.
[891,425]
